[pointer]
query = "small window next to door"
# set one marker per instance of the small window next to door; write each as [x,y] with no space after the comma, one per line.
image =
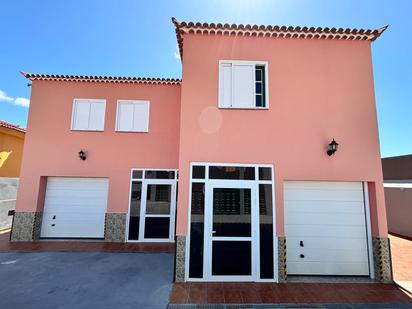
[197,220]
[134,213]
[266,231]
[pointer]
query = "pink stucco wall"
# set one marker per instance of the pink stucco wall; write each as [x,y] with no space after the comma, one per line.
[318,90]
[51,148]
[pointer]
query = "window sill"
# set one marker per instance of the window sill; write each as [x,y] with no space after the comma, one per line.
[85,130]
[119,131]
[247,108]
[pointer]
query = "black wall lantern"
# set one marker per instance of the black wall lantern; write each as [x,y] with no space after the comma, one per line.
[82,155]
[333,147]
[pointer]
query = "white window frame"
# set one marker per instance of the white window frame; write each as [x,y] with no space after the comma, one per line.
[145,181]
[132,102]
[72,128]
[210,182]
[244,62]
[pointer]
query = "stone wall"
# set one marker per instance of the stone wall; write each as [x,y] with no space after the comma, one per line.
[180,258]
[115,227]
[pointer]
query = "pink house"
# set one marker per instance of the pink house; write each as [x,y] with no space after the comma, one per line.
[262,163]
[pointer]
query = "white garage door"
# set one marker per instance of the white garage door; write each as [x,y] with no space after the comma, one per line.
[74,207]
[325,228]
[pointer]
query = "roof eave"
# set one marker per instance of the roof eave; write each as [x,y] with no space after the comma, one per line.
[273,31]
[101,79]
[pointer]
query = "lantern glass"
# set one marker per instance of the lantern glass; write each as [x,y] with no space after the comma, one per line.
[333,147]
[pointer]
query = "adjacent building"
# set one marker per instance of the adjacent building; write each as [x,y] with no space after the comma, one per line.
[11,149]
[397,175]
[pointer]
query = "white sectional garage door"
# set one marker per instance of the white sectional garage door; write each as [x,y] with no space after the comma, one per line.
[325,228]
[74,207]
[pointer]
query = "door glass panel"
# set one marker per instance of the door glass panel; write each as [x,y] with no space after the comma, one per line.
[265,173]
[197,230]
[231,172]
[159,174]
[135,201]
[198,172]
[158,199]
[266,231]
[156,227]
[231,212]
[137,174]
[232,258]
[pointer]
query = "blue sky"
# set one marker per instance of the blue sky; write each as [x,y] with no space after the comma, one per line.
[136,38]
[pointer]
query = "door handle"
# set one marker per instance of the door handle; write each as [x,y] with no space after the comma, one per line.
[302,256]
[54,217]
[301,243]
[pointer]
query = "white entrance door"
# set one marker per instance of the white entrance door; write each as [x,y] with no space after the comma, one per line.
[74,207]
[325,228]
[231,223]
[157,214]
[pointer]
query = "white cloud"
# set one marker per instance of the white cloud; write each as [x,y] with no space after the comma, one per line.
[22,101]
[4,97]
[177,53]
[18,101]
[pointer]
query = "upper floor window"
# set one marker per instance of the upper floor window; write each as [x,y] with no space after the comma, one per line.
[132,116]
[88,114]
[243,84]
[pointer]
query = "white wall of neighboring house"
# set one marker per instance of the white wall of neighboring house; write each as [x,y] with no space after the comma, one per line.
[8,192]
[398,197]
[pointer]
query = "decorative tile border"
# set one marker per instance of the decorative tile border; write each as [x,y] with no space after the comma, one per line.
[115,227]
[382,259]
[282,268]
[180,258]
[23,226]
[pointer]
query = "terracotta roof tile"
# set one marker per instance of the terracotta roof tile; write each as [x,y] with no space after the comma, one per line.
[12,126]
[273,31]
[102,79]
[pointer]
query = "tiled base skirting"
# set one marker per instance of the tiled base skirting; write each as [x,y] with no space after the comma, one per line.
[282,269]
[382,259]
[115,227]
[180,258]
[26,226]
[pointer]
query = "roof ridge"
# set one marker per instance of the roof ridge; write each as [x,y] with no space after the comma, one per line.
[104,79]
[275,31]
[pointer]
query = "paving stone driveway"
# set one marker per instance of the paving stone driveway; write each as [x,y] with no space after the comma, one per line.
[85,280]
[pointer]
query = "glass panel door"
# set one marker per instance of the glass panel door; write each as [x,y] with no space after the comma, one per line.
[232,232]
[158,209]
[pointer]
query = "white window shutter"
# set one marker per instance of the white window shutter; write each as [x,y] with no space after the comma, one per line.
[225,90]
[81,114]
[125,116]
[97,112]
[141,117]
[243,86]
